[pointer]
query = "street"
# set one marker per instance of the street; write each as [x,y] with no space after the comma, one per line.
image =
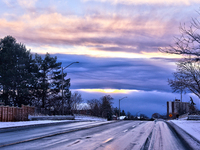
[120,135]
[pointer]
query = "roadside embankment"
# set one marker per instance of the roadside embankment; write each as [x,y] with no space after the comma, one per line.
[187,132]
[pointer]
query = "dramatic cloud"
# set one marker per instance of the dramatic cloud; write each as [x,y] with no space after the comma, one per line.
[88,30]
[99,32]
[118,73]
[126,29]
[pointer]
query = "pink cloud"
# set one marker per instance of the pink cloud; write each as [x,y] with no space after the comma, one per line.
[138,33]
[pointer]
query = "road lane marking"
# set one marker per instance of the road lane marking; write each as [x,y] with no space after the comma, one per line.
[125,130]
[133,126]
[57,142]
[107,140]
[77,141]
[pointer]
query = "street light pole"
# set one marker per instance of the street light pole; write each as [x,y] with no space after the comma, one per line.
[119,105]
[62,86]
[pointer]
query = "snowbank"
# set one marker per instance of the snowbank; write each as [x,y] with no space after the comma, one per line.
[191,127]
[27,123]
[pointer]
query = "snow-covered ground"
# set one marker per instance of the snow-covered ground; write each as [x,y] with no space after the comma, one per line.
[26,123]
[192,127]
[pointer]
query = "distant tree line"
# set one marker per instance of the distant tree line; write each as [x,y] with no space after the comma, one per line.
[103,108]
[30,80]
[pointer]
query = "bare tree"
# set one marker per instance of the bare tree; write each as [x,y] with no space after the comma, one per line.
[129,115]
[189,41]
[76,99]
[95,106]
[177,84]
[187,77]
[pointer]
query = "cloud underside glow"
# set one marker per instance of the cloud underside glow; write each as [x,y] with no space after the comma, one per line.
[81,50]
[122,91]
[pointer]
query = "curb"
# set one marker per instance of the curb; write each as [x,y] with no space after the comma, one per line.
[190,142]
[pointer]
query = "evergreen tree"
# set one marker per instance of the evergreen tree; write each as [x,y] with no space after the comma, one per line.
[116,111]
[49,83]
[17,70]
[67,98]
[123,113]
[46,67]
[106,106]
[55,100]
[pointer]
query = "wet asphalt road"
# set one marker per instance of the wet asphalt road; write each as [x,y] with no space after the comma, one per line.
[120,135]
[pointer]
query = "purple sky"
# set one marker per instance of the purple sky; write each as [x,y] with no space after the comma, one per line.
[115,41]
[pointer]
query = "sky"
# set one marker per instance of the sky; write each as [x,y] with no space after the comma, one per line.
[116,43]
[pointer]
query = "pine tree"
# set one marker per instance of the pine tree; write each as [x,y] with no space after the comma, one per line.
[16,72]
[106,106]
[49,83]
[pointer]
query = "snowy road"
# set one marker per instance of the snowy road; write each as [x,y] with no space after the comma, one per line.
[122,135]
[163,138]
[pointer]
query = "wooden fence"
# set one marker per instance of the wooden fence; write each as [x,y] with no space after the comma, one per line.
[15,113]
